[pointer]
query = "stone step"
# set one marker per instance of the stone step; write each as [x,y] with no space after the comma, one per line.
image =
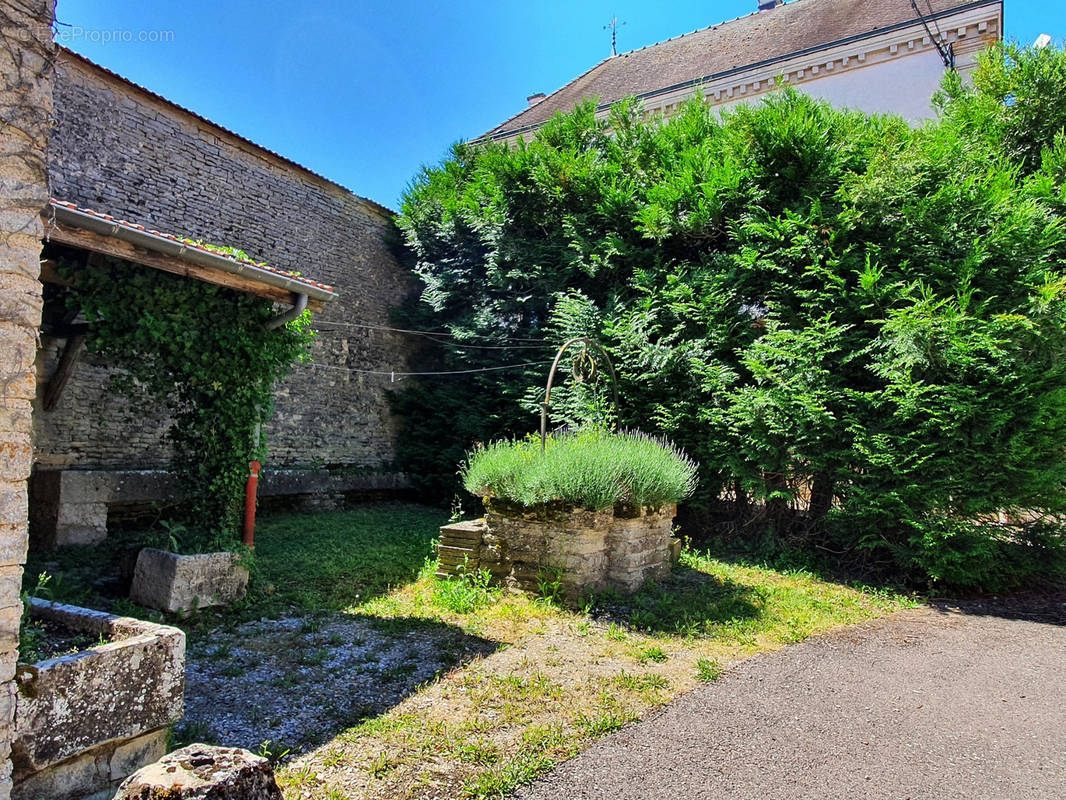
[462,536]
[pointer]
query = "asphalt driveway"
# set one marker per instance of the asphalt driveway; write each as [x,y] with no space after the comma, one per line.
[933,703]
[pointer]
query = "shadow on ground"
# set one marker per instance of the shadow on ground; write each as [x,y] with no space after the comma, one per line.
[1047,606]
[304,563]
[290,684]
[690,602]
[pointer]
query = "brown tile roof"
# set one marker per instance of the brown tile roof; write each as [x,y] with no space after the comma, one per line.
[789,30]
[79,57]
[207,248]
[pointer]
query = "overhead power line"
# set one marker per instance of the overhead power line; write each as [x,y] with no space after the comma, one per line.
[394,374]
[945,48]
[431,334]
[455,344]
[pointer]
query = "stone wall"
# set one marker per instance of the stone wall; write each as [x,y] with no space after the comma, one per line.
[25,109]
[585,551]
[119,149]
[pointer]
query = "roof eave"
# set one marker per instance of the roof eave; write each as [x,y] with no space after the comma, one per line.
[102,226]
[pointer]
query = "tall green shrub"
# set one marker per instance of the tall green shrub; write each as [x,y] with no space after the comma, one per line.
[857,329]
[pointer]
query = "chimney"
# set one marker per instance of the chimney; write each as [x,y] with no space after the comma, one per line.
[535,98]
[766,5]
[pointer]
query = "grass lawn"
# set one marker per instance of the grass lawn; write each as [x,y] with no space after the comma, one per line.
[558,679]
[550,679]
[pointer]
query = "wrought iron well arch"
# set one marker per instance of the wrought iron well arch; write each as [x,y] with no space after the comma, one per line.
[587,342]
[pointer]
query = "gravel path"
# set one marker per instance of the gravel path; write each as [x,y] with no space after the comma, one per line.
[932,703]
[294,683]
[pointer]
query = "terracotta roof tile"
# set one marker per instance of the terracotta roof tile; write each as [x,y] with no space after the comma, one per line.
[763,37]
[194,244]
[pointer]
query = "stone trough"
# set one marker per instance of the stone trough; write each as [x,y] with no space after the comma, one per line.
[85,721]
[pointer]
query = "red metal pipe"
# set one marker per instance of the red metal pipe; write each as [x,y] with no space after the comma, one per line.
[249,502]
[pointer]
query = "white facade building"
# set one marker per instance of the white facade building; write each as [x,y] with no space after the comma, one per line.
[879,56]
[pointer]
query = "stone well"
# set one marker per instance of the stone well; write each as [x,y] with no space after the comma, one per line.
[84,722]
[587,551]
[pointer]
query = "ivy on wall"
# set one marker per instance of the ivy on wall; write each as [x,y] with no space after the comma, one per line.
[201,352]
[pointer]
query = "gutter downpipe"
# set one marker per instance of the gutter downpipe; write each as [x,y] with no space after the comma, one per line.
[288,316]
[250,490]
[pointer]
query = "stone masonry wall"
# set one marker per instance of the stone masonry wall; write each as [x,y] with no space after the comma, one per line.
[25,109]
[586,551]
[118,149]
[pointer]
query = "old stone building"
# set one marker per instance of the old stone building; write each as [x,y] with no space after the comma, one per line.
[89,160]
[120,150]
[878,56]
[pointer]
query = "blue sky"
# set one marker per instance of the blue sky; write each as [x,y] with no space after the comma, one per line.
[364,93]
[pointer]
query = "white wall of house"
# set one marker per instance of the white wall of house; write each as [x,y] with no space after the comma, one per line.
[903,87]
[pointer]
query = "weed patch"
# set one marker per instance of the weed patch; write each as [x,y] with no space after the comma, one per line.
[466,593]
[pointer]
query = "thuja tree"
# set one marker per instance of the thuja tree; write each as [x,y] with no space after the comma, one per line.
[201,352]
[858,329]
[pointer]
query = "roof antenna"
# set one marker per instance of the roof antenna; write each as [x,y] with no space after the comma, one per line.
[613,25]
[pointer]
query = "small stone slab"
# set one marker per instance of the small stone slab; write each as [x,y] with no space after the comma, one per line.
[203,772]
[460,547]
[178,584]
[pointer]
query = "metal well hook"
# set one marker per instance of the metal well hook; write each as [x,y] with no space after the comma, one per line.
[587,342]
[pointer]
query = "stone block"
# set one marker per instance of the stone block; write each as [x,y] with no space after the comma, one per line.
[8,662]
[586,551]
[16,415]
[621,547]
[16,457]
[18,343]
[587,541]
[71,780]
[67,507]
[10,588]
[7,710]
[19,284]
[81,719]
[177,583]
[625,581]
[470,529]
[14,507]
[19,272]
[205,772]
[80,524]
[459,546]
[19,385]
[96,773]
[133,754]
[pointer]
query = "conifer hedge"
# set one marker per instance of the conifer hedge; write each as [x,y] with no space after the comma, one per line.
[856,328]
